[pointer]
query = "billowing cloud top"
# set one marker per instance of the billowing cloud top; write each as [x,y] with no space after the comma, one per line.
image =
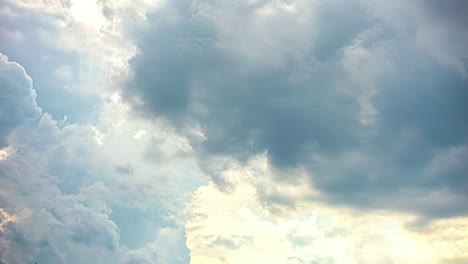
[238,131]
[18,99]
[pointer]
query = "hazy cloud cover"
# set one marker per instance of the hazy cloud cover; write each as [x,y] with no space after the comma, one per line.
[238,131]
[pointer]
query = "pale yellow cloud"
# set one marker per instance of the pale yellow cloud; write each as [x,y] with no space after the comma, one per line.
[5,153]
[236,227]
[5,218]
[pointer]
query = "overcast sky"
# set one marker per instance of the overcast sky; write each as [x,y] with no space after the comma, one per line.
[234,131]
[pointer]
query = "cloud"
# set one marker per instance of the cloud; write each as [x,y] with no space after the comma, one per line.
[64,182]
[367,109]
[74,198]
[456,261]
[17,98]
[81,56]
[330,132]
[32,38]
[57,179]
[314,232]
[235,98]
[65,224]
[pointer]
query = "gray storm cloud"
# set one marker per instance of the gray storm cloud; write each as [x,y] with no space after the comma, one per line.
[354,93]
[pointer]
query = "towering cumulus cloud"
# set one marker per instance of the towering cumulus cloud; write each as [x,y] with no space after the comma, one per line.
[234,131]
[17,98]
[105,189]
[67,198]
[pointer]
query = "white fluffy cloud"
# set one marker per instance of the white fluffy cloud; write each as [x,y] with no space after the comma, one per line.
[17,98]
[69,182]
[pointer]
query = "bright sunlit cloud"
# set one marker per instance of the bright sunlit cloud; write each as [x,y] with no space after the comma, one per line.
[87,11]
[235,227]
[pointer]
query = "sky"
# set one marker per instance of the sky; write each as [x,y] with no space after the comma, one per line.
[234,131]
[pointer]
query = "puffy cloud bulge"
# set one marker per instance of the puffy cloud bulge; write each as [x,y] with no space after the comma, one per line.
[18,99]
[369,97]
[70,194]
[85,188]
[31,46]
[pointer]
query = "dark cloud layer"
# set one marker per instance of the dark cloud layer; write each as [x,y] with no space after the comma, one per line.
[452,11]
[275,82]
[184,74]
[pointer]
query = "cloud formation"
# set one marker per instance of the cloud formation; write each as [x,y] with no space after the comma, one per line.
[17,98]
[71,181]
[238,131]
[313,232]
[369,109]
